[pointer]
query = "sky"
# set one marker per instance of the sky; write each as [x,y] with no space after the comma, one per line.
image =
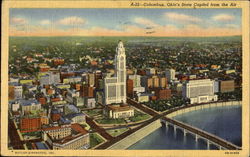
[124,22]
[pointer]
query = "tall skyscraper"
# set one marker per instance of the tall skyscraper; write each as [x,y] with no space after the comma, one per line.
[115,87]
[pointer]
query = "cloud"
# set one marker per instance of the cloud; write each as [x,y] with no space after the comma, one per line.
[232,26]
[45,22]
[189,30]
[144,21]
[223,17]
[182,18]
[72,20]
[18,20]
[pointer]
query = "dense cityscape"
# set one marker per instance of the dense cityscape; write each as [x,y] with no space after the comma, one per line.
[88,92]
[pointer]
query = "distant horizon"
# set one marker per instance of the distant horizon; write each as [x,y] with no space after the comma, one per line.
[125,22]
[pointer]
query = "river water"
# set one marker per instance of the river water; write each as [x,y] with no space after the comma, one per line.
[224,122]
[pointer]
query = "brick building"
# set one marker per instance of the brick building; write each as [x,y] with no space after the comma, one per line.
[226,86]
[28,124]
[87,91]
[130,87]
[162,93]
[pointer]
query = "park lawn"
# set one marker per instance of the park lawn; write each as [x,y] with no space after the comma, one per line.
[110,121]
[117,132]
[95,139]
[139,117]
[35,133]
[93,112]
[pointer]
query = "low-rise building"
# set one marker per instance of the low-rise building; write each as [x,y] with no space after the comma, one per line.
[77,139]
[142,97]
[226,86]
[77,117]
[71,93]
[150,71]
[29,105]
[58,132]
[119,111]
[90,102]
[15,91]
[78,101]
[14,105]
[139,89]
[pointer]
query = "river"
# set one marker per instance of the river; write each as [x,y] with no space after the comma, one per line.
[224,122]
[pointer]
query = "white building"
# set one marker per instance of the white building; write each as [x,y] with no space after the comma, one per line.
[77,117]
[44,80]
[116,111]
[50,78]
[150,71]
[139,89]
[15,106]
[142,97]
[18,92]
[136,80]
[74,79]
[55,77]
[199,91]
[115,87]
[71,93]
[90,102]
[14,80]
[78,101]
[170,74]
[29,105]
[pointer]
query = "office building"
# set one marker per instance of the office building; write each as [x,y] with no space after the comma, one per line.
[170,74]
[136,80]
[162,93]
[226,86]
[115,87]
[199,91]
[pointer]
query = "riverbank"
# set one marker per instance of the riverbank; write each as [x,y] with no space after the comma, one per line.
[145,131]
[200,107]
[136,136]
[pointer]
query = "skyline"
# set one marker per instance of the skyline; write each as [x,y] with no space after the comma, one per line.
[125,22]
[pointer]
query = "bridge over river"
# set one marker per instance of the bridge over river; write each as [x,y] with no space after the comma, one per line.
[198,133]
[163,117]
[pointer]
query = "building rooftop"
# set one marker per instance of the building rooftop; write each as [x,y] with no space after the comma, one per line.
[67,139]
[119,107]
[77,127]
[70,116]
[24,102]
[41,145]
[56,127]
[80,131]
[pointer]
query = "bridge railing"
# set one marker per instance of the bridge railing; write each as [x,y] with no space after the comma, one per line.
[203,134]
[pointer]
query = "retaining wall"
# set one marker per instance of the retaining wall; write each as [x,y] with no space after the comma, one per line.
[136,136]
[200,107]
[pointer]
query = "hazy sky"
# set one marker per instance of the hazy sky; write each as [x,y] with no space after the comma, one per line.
[125,22]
